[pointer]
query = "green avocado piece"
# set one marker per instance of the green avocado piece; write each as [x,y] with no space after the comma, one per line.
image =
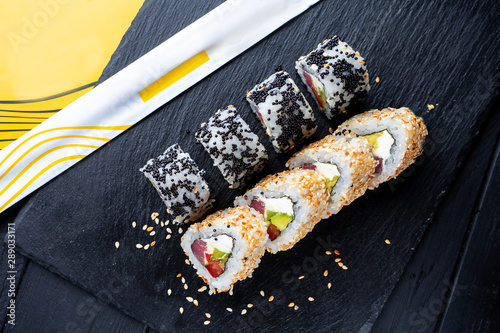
[219,255]
[330,183]
[269,214]
[281,220]
[373,138]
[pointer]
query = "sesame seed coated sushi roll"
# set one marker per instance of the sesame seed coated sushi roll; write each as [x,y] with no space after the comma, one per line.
[179,183]
[346,163]
[292,202]
[396,137]
[226,247]
[335,74]
[283,110]
[232,145]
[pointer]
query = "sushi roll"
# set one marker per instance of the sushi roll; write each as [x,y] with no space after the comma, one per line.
[292,202]
[226,247]
[233,147]
[335,75]
[347,165]
[283,110]
[180,184]
[396,137]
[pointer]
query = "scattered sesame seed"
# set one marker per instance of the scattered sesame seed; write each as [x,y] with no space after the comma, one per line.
[149,229]
[325,273]
[377,79]
[185,286]
[229,309]
[162,224]
[134,224]
[154,215]
[206,322]
[181,310]
[146,246]
[387,241]
[291,305]
[208,315]
[189,299]
[167,222]
[311,299]
[195,302]
[262,293]
[202,289]
[169,230]
[296,307]
[231,292]
[329,285]
[139,246]
[301,277]
[178,275]
[169,292]
[187,262]
[183,280]
[152,233]
[168,236]
[243,311]
[117,244]
[430,107]
[153,243]
[157,220]
[249,305]
[144,227]
[344,267]
[337,252]
[329,253]
[340,264]
[180,230]
[271,298]
[337,259]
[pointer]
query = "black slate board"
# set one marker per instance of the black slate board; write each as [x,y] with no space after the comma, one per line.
[423,53]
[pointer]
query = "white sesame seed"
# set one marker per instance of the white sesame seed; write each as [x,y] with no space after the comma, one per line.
[157,220]
[229,309]
[291,305]
[146,246]
[231,292]
[206,322]
[202,289]
[262,293]
[329,285]
[162,224]
[167,222]
[117,244]
[168,236]
[139,246]
[144,227]
[134,224]
[185,286]
[208,315]
[169,292]
[249,305]
[152,233]
[181,310]
[296,307]
[183,280]
[169,230]
[311,299]
[243,311]
[180,230]
[187,262]
[189,299]
[195,302]
[301,277]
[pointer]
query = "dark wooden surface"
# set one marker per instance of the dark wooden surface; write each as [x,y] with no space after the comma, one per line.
[444,54]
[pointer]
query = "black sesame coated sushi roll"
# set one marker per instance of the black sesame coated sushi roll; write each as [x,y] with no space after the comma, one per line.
[226,247]
[396,137]
[180,184]
[335,74]
[346,163]
[232,145]
[284,112]
[292,203]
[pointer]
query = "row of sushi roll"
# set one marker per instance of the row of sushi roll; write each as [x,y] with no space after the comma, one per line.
[323,177]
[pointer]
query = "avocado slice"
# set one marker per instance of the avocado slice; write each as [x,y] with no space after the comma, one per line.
[330,183]
[281,220]
[219,255]
[373,138]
